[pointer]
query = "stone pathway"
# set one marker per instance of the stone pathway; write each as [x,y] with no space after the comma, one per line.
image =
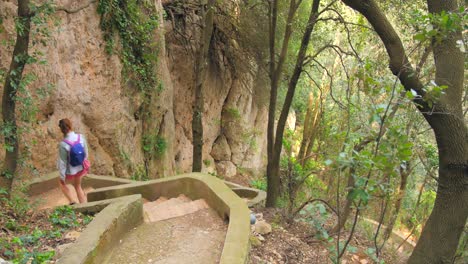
[175,231]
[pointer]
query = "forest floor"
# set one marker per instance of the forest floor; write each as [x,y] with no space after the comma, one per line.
[36,236]
[296,243]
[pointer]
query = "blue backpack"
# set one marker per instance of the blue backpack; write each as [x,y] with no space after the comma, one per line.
[76,155]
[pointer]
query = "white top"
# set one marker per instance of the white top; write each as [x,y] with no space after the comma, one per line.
[62,163]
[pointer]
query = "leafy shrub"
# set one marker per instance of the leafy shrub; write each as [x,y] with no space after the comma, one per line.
[260,184]
[64,216]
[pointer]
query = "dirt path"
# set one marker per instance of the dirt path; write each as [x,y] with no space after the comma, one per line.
[196,238]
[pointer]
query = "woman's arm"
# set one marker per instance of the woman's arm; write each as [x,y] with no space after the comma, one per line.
[62,161]
[85,145]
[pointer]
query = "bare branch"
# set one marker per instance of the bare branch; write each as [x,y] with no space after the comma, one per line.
[342,21]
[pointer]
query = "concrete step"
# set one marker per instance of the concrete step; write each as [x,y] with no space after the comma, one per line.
[174,207]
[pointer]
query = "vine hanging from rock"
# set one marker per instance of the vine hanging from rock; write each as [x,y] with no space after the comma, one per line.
[134,21]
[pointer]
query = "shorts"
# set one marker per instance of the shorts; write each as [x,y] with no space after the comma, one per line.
[86,165]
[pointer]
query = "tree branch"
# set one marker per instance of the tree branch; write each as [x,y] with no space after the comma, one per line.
[399,62]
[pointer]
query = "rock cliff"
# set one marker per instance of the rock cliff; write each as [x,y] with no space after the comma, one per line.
[88,88]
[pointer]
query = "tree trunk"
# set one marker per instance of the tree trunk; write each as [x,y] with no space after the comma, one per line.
[349,202]
[314,112]
[276,69]
[440,235]
[404,173]
[275,160]
[200,73]
[311,122]
[12,82]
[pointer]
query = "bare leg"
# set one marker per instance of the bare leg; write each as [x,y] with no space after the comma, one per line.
[66,191]
[79,191]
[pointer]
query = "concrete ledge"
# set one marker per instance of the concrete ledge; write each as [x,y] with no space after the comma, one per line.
[50,181]
[118,216]
[255,197]
[196,186]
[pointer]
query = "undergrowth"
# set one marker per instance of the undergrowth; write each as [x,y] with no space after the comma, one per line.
[30,236]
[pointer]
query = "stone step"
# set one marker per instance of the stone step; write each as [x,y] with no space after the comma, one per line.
[171,208]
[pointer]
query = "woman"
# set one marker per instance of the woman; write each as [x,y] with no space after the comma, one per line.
[70,164]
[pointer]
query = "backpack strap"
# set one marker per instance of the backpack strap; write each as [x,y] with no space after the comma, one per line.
[71,143]
[78,140]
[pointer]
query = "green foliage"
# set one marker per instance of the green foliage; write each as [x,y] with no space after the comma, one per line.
[154,145]
[24,241]
[233,113]
[438,26]
[207,162]
[371,252]
[7,130]
[64,216]
[260,184]
[23,256]
[44,14]
[316,214]
[134,21]
[17,202]
[139,173]
[214,174]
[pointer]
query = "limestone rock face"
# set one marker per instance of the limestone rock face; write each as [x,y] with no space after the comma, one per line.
[221,150]
[226,169]
[88,88]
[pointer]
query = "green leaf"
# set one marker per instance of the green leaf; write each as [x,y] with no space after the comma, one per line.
[352,249]
[420,37]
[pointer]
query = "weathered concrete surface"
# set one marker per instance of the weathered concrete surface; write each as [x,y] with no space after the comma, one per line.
[252,196]
[44,192]
[195,238]
[172,208]
[196,186]
[118,217]
[50,181]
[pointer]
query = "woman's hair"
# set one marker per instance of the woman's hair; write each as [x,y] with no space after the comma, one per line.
[65,125]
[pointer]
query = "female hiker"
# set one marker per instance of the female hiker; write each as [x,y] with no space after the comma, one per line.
[73,161]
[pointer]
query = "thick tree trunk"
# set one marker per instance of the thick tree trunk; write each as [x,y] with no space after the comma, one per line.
[441,233]
[200,73]
[440,236]
[12,82]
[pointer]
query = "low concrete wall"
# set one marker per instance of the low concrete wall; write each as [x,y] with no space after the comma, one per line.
[50,181]
[197,186]
[396,237]
[255,197]
[119,216]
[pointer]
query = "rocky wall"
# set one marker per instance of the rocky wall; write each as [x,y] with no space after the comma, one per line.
[88,88]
